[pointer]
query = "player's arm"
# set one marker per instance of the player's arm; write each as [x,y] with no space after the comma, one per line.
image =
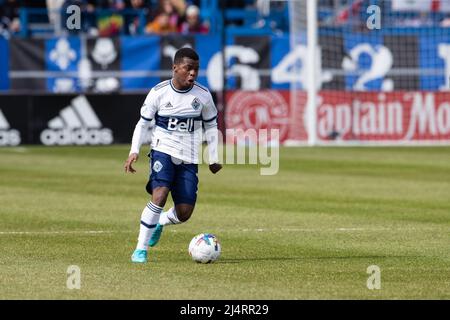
[136,142]
[212,139]
[212,136]
[148,111]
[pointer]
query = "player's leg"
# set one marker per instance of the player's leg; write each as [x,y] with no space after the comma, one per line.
[159,187]
[149,219]
[177,214]
[184,211]
[184,195]
[150,216]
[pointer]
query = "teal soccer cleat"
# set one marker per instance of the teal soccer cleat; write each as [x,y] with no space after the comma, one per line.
[156,235]
[139,256]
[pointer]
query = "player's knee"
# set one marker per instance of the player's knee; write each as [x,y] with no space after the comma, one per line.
[159,196]
[183,217]
[184,213]
[159,200]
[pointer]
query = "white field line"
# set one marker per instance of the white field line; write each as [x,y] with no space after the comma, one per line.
[55,232]
[309,229]
[292,229]
[394,229]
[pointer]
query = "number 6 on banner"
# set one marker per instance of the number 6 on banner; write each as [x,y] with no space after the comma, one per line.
[249,75]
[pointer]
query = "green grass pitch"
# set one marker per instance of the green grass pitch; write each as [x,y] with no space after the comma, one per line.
[308,232]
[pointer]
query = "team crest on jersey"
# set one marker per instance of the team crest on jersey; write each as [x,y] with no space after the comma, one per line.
[157,166]
[195,104]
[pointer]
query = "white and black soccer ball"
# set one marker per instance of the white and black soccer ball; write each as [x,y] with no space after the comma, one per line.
[205,248]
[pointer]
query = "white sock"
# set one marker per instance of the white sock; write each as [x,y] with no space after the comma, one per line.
[149,219]
[169,217]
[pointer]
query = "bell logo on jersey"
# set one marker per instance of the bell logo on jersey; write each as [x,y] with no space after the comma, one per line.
[76,124]
[181,125]
[195,104]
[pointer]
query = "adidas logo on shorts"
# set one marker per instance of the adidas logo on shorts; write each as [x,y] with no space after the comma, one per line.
[76,124]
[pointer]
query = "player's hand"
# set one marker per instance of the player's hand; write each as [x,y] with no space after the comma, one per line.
[215,167]
[129,163]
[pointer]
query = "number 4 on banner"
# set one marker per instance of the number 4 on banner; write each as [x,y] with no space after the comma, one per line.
[292,69]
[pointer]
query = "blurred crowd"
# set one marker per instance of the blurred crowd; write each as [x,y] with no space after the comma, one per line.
[110,17]
[132,17]
[9,17]
[355,13]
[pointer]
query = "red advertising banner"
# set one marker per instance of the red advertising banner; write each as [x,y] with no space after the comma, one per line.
[266,109]
[389,117]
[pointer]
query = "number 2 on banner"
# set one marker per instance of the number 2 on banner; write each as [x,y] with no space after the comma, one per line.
[381,62]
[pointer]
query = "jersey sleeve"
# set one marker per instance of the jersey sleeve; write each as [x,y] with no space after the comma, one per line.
[149,107]
[209,111]
[148,111]
[209,116]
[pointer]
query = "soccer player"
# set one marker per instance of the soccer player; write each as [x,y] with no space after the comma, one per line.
[180,107]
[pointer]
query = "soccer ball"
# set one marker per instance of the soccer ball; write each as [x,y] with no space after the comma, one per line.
[205,248]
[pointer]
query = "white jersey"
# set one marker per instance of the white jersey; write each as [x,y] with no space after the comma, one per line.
[179,117]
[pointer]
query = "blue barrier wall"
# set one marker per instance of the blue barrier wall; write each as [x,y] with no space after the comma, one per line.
[386,59]
[4,64]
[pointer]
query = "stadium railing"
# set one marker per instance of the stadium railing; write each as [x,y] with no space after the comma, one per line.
[35,22]
[233,21]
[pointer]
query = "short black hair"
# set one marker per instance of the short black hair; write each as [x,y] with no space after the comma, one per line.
[185,53]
